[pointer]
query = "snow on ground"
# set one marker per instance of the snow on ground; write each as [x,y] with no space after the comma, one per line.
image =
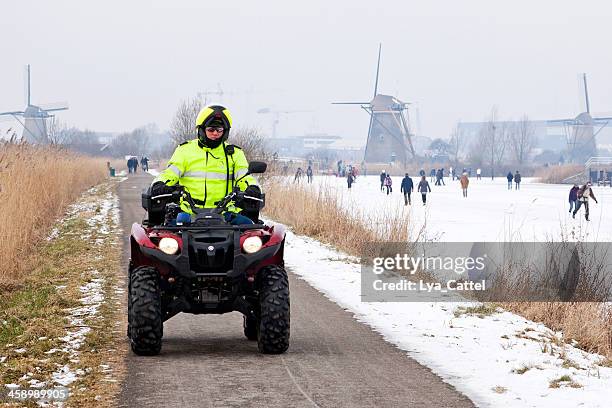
[92,292]
[482,357]
[498,360]
[153,172]
[490,213]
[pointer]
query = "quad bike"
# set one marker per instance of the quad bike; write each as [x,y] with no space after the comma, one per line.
[199,263]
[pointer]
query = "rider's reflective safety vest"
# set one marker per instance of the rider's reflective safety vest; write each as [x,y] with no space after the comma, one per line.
[207,174]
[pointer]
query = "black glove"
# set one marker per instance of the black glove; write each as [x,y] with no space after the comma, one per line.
[159,188]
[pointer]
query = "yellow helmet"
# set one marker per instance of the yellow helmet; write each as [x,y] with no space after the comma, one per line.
[214,115]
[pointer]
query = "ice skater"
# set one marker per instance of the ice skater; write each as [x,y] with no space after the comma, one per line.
[383,177]
[388,184]
[465,181]
[517,180]
[573,197]
[584,193]
[424,188]
[509,176]
[407,187]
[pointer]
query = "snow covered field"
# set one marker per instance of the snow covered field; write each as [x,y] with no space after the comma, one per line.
[491,212]
[497,360]
[501,360]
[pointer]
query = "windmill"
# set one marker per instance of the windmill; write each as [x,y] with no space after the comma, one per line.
[389,137]
[33,118]
[580,132]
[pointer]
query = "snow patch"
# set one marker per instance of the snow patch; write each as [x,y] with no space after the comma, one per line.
[479,356]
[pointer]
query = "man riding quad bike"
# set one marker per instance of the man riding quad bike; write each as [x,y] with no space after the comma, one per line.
[195,256]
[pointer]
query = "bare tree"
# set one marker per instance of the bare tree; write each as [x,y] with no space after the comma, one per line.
[522,139]
[131,143]
[182,127]
[252,142]
[493,140]
[456,144]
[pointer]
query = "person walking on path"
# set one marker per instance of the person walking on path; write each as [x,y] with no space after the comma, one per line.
[478,171]
[388,183]
[573,197]
[423,188]
[383,177]
[432,175]
[509,176]
[407,187]
[464,183]
[584,193]
[144,163]
[517,180]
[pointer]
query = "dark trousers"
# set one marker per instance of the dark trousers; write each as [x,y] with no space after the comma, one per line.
[382,185]
[407,199]
[586,208]
[464,192]
[518,185]
[424,197]
[389,189]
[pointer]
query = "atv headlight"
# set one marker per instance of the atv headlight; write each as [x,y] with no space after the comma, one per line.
[252,245]
[168,246]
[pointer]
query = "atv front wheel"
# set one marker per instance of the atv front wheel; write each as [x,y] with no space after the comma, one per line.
[273,333]
[145,325]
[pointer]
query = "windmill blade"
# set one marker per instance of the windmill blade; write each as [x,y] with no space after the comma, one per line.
[603,119]
[365,153]
[559,122]
[350,103]
[11,114]
[7,118]
[54,106]
[377,70]
[26,85]
[586,93]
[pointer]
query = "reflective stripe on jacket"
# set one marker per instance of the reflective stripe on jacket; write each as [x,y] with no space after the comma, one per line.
[207,174]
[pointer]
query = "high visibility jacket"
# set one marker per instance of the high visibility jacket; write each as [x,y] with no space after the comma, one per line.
[207,174]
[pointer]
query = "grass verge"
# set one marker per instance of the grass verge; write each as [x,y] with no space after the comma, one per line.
[63,325]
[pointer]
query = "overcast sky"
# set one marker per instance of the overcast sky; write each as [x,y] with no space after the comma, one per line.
[123,64]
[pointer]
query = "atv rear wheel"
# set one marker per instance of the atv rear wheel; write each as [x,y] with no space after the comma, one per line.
[145,325]
[250,328]
[274,317]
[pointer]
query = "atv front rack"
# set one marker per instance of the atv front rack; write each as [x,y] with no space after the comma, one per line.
[243,227]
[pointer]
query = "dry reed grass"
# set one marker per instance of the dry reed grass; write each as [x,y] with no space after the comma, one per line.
[317,213]
[36,185]
[588,323]
[556,174]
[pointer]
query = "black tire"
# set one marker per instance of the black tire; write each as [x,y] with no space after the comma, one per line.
[145,324]
[250,328]
[273,333]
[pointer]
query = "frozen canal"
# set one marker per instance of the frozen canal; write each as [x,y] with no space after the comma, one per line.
[491,212]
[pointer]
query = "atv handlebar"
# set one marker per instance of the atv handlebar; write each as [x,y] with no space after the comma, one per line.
[220,206]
